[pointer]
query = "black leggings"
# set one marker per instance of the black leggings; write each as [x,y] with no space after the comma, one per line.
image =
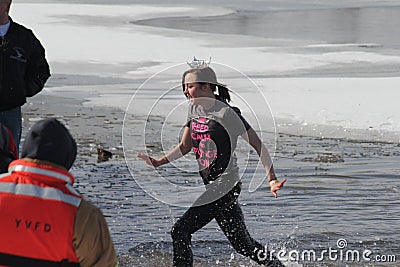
[226,211]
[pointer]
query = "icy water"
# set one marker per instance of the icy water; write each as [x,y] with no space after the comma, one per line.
[370,26]
[336,189]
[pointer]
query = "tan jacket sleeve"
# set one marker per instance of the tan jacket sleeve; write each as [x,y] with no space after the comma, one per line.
[92,240]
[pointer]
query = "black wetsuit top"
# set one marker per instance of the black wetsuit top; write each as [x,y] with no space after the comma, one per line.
[214,135]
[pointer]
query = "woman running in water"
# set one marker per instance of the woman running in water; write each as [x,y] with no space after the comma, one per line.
[211,131]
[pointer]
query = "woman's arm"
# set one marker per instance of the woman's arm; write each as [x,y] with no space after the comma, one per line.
[252,138]
[179,151]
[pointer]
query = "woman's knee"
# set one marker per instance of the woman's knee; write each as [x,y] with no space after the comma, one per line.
[178,231]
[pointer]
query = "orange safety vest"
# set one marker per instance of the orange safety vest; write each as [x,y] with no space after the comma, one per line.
[37,211]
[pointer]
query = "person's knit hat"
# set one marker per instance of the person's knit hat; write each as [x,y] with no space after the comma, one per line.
[49,140]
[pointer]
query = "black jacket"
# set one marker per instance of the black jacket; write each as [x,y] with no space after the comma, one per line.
[23,66]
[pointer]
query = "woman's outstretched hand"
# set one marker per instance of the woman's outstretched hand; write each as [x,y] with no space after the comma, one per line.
[149,160]
[277,186]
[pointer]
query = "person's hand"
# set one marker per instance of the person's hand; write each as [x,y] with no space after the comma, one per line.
[276,186]
[149,160]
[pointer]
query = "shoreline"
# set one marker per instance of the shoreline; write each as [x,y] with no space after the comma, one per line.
[98,124]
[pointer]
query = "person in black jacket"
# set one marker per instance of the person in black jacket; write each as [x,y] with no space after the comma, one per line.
[23,69]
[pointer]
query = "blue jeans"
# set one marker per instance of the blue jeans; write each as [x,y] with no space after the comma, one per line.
[12,119]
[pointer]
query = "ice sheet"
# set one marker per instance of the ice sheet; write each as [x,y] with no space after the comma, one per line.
[94,35]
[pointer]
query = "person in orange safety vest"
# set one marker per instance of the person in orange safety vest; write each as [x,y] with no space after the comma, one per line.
[44,220]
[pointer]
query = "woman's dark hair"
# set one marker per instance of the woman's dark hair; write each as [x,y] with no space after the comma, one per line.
[207,75]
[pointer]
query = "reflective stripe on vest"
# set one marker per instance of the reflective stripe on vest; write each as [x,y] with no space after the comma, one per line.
[39,171]
[22,168]
[38,191]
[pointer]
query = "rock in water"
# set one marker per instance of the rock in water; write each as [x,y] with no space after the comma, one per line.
[103,155]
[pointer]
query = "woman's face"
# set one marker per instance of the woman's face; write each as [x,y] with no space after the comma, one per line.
[193,89]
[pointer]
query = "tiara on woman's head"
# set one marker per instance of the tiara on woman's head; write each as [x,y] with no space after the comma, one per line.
[199,63]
